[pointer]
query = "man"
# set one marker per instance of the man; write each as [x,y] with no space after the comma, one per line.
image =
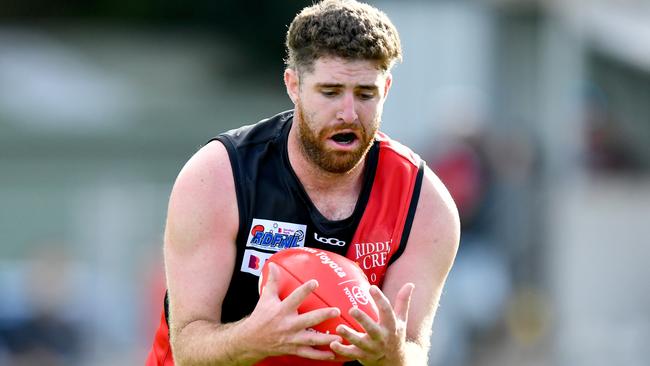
[319,176]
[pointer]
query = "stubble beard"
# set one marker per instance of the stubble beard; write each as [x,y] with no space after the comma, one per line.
[312,144]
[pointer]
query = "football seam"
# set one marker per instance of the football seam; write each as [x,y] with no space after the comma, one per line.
[342,316]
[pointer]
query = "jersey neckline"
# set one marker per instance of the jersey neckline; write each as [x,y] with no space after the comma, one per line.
[321,221]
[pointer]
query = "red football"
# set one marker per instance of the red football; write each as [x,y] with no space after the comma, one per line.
[342,284]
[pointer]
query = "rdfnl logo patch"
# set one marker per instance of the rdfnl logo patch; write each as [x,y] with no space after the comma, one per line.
[275,235]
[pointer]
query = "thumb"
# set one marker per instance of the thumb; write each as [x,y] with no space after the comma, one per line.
[403,301]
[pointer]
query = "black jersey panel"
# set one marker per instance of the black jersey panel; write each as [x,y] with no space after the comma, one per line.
[272,201]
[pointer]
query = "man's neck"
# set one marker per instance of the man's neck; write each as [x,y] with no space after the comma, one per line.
[334,194]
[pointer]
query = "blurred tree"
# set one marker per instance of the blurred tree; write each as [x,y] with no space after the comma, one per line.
[258,27]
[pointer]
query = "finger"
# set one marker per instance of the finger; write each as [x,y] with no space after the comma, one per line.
[357,339]
[386,314]
[300,294]
[403,301]
[271,286]
[315,353]
[313,338]
[349,351]
[350,334]
[314,317]
[369,325]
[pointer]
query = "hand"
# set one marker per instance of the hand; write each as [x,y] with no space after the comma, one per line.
[276,328]
[384,342]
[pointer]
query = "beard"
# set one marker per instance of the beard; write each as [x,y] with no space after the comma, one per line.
[312,144]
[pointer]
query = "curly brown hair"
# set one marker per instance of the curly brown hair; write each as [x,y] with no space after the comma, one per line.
[342,28]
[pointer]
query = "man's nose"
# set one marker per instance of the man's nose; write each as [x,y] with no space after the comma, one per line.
[348,111]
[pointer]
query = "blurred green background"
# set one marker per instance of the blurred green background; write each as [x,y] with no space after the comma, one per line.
[535,114]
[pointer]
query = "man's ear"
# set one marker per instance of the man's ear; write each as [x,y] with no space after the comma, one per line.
[292,83]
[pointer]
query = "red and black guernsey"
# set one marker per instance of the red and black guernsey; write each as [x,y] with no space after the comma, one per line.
[276,213]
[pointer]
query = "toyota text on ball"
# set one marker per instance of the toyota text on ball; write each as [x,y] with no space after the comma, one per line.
[326,260]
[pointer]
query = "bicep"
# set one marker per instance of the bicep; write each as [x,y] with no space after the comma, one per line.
[201,227]
[427,258]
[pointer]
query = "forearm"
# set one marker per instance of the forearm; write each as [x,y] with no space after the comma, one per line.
[204,343]
[412,354]
[415,354]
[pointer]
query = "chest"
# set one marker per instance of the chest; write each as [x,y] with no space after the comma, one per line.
[335,207]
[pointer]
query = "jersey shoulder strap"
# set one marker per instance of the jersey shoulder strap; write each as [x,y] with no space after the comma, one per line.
[386,223]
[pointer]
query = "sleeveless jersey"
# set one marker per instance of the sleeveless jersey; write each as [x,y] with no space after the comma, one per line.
[275,213]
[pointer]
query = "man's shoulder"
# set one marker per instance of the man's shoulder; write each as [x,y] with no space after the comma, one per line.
[435,202]
[397,149]
[259,132]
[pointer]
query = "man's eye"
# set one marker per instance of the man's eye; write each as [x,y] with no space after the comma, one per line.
[328,93]
[366,96]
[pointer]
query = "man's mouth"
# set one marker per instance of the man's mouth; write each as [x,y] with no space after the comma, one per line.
[344,138]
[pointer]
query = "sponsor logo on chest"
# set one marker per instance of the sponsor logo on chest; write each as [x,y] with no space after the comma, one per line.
[253,261]
[371,256]
[330,241]
[272,236]
[275,235]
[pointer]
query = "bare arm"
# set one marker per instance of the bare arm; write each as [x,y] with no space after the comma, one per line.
[426,261]
[413,284]
[199,259]
[200,253]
